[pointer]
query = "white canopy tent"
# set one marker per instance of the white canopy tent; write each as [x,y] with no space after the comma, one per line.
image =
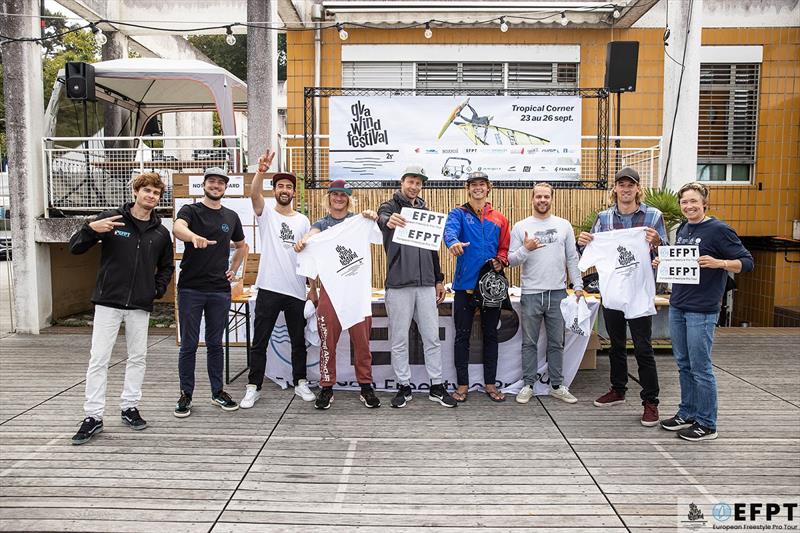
[151,86]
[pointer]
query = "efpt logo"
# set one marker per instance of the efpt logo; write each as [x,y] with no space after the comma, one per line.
[770,515]
[226,228]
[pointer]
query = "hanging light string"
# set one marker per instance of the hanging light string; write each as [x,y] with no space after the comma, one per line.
[503,22]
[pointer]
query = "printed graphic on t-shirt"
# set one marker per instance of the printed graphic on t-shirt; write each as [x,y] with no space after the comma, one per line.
[687,240]
[351,262]
[286,236]
[548,236]
[225,228]
[626,261]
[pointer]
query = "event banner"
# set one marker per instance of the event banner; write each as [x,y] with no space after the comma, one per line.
[509,364]
[508,137]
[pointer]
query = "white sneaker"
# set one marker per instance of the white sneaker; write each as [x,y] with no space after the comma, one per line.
[563,394]
[302,390]
[251,396]
[525,394]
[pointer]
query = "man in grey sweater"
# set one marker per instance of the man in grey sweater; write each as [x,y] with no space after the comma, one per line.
[414,288]
[544,245]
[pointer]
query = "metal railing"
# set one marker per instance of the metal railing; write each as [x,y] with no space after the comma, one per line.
[91,174]
[644,156]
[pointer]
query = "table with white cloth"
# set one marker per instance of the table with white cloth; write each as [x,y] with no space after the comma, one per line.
[509,365]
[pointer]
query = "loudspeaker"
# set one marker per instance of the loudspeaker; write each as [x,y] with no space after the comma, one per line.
[80,81]
[622,59]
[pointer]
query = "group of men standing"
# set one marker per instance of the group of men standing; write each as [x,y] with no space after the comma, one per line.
[137,265]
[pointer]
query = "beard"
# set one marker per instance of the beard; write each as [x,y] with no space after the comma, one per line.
[540,210]
[280,199]
[214,197]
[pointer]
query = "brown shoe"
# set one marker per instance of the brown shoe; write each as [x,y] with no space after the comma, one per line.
[650,414]
[612,397]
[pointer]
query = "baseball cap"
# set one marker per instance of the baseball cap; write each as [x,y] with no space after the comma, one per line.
[283,176]
[478,175]
[216,171]
[627,172]
[415,170]
[340,186]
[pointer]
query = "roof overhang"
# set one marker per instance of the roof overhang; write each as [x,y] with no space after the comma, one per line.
[517,13]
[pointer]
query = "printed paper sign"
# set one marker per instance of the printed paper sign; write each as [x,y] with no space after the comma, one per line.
[423,229]
[235,186]
[678,264]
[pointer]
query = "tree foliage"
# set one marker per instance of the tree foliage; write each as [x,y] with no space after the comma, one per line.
[234,58]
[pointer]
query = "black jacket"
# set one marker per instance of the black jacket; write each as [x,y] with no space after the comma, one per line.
[407,266]
[135,268]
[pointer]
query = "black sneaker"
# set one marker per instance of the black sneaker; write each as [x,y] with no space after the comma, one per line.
[324,398]
[184,406]
[368,397]
[403,395]
[698,432]
[132,418]
[439,394]
[223,400]
[89,428]
[676,423]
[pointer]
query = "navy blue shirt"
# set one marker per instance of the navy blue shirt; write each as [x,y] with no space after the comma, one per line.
[717,239]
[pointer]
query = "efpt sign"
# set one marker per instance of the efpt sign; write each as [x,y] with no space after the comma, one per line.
[508,137]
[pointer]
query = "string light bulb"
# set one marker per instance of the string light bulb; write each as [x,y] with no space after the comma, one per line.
[503,25]
[99,37]
[230,38]
[616,14]
[563,20]
[428,30]
[343,35]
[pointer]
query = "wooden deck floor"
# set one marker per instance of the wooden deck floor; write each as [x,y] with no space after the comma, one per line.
[283,466]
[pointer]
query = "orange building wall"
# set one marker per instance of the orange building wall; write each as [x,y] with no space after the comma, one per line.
[765,208]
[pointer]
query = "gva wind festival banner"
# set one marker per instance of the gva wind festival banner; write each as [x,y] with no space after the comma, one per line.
[508,137]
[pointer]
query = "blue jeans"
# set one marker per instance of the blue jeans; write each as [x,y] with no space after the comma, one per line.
[535,308]
[192,305]
[692,337]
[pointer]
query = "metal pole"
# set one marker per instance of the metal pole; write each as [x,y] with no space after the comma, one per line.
[617,142]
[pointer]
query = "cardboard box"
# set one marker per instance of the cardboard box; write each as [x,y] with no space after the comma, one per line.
[589,361]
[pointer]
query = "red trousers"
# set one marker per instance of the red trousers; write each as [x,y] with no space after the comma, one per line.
[329,332]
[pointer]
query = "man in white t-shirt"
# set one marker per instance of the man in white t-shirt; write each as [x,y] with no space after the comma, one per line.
[341,257]
[279,287]
[544,245]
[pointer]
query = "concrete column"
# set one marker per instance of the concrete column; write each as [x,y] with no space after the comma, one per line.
[262,80]
[22,63]
[116,122]
[679,142]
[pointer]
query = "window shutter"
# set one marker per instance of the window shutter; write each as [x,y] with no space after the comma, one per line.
[392,75]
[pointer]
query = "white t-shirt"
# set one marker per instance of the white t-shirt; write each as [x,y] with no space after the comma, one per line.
[622,259]
[342,259]
[278,265]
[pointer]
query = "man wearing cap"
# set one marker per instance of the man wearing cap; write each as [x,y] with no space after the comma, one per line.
[476,233]
[208,229]
[414,286]
[339,201]
[279,286]
[628,211]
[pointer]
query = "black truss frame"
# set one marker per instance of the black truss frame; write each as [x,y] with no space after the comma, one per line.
[310,134]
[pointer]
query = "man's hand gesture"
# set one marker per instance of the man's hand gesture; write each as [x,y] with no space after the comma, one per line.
[104,225]
[265,161]
[531,244]
[201,242]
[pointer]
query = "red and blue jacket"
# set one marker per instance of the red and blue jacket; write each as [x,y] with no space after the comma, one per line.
[488,235]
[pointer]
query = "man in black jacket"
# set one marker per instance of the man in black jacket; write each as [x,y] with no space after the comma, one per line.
[135,268]
[414,288]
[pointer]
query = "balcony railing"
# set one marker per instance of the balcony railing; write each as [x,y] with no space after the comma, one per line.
[641,153]
[93,174]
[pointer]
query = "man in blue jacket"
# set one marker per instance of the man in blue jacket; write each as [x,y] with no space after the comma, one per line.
[135,268]
[476,234]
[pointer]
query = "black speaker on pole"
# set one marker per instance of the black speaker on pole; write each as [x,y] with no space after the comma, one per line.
[80,81]
[622,59]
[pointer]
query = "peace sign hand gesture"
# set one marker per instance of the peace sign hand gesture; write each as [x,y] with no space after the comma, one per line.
[265,161]
[104,225]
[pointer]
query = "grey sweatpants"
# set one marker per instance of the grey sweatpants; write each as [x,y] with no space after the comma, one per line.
[418,303]
[535,308]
